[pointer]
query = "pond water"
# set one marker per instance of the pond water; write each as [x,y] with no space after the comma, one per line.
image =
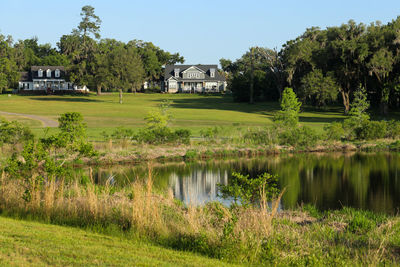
[328,181]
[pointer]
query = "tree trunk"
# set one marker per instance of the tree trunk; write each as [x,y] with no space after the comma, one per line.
[120,96]
[346,101]
[384,108]
[98,89]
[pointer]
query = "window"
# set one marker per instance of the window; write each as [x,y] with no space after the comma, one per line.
[193,75]
[177,73]
[40,73]
[48,73]
[172,84]
[212,73]
[57,73]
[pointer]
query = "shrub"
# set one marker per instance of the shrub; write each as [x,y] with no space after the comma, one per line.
[122,133]
[162,135]
[182,136]
[191,154]
[301,137]
[14,132]
[334,131]
[250,191]
[261,137]
[210,134]
[393,129]
[371,130]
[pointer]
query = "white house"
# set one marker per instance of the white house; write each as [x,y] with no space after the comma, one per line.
[193,78]
[49,78]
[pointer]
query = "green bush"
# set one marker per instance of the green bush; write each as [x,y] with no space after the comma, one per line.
[162,135]
[393,129]
[182,136]
[14,132]
[122,133]
[261,137]
[300,137]
[334,131]
[371,130]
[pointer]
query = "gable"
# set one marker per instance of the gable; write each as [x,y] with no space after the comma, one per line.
[193,69]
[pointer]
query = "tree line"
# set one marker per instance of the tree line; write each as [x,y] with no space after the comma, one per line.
[324,66]
[101,64]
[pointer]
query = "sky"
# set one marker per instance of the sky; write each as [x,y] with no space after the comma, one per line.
[201,31]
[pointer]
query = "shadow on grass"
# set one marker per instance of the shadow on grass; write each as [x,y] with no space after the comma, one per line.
[309,114]
[66,99]
[223,103]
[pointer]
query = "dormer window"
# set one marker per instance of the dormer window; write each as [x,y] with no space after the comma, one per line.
[48,73]
[212,73]
[57,73]
[176,73]
[40,73]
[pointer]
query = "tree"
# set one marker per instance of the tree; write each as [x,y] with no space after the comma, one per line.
[358,112]
[90,23]
[290,108]
[319,89]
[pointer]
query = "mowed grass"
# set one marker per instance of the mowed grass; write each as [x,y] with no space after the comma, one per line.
[25,243]
[194,112]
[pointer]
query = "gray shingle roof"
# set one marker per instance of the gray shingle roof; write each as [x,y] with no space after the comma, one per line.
[25,77]
[44,68]
[169,72]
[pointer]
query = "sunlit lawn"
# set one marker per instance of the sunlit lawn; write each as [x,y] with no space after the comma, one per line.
[194,112]
[35,244]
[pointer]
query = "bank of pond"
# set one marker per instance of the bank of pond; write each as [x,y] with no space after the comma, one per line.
[336,208]
[362,180]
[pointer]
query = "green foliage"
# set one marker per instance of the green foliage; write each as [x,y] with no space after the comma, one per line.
[393,129]
[210,134]
[250,191]
[299,137]
[71,123]
[371,130]
[122,133]
[267,136]
[319,89]
[290,108]
[157,130]
[334,131]
[14,132]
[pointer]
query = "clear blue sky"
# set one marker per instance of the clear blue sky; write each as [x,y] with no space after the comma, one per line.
[202,31]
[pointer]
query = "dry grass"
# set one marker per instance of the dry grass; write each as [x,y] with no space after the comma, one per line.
[251,235]
[135,208]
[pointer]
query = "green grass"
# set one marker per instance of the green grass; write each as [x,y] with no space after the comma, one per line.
[25,243]
[194,112]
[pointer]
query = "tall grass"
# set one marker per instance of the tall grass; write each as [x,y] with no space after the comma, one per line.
[247,235]
[213,229]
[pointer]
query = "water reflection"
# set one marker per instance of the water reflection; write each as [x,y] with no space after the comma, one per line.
[199,186]
[329,181]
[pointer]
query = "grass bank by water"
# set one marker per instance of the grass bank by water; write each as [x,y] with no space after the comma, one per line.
[27,243]
[236,235]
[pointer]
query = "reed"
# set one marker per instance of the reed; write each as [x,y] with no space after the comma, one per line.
[252,235]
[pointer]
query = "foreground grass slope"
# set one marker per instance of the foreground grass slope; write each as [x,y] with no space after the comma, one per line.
[193,112]
[34,244]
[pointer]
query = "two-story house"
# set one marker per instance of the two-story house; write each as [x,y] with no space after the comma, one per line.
[193,79]
[47,78]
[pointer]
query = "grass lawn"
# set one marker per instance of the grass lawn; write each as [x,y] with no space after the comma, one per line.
[34,244]
[194,112]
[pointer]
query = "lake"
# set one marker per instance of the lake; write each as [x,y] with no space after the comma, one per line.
[368,181]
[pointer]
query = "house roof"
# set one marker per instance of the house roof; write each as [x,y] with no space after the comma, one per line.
[25,76]
[33,73]
[169,71]
[44,68]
